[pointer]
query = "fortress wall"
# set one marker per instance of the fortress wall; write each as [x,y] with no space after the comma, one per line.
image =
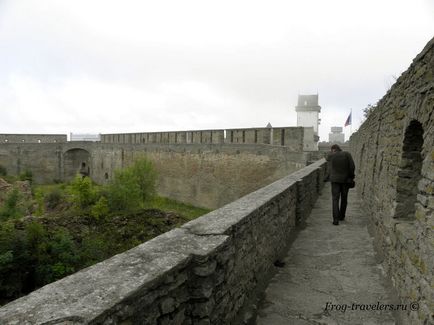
[32,138]
[293,137]
[251,135]
[201,273]
[207,175]
[394,154]
[43,159]
[203,175]
[309,144]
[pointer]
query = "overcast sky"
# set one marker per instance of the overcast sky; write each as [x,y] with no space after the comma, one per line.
[135,66]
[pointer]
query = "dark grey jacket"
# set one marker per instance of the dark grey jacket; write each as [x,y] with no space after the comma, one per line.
[340,167]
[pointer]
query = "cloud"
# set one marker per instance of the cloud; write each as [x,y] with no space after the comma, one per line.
[106,66]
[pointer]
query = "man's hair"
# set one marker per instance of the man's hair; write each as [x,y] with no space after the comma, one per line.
[336,147]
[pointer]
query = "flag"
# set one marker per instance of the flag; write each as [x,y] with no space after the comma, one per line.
[348,121]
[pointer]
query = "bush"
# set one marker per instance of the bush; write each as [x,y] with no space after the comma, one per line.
[83,193]
[146,177]
[53,198]
[39,199]
[27,175]
[11,208]
[3,171]
[100,209]
[132,187]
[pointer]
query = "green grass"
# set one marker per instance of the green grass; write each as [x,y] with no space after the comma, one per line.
[188,211]
[47,188]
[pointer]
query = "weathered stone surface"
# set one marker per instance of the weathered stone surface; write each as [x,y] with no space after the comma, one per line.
[108,285]
[328,265]
[207,175]
[393,151]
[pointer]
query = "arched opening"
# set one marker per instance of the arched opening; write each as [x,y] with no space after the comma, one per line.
[409,172]
[76,161]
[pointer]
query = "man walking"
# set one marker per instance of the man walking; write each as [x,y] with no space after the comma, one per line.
[341,174]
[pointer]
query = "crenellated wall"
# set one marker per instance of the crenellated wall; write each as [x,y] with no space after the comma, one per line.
[32,138]
[296,138]
[394,154]
[207,168]
[201,273]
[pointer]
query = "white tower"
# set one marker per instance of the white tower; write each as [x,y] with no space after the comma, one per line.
[308,112]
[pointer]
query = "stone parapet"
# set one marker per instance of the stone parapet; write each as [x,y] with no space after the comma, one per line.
[33,138]
[292,137]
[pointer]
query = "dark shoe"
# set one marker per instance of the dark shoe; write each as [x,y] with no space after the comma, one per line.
[336,223]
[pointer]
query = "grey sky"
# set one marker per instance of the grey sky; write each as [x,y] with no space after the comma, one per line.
[126,66]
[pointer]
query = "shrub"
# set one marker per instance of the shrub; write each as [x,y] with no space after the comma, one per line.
[132,187]
[54,198]
[146,176]
[11,208]
[27,175]
[100,209]
[40,206]
[124,192]
[82,193]
[3,171]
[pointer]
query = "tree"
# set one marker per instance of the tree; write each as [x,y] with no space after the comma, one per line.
[132,187]
[11,208]
[82,193]
[367,111]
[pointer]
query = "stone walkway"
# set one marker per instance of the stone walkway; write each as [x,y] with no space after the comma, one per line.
[328,266]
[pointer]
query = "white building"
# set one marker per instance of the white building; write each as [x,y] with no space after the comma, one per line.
[336,135]
[308,112]
[84,137]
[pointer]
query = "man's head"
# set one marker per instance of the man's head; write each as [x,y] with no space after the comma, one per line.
[335,148]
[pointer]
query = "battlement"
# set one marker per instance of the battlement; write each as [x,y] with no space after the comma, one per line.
[294,137]
[33,138]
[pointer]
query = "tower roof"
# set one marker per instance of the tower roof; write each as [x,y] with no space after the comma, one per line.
[307,103]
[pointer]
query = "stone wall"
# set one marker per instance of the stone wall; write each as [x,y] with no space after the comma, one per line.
[32,138]
[201,273]
[43,159]
[295,138]
[207,175]
[203,175]
[394,154]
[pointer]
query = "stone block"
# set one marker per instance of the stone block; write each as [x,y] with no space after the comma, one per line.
[167,305]
[203,309]
[205,269]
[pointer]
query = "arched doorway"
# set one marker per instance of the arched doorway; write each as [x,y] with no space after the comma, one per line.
[409,172]
[76,161]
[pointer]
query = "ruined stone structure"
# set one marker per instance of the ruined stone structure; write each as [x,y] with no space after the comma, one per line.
[394,153]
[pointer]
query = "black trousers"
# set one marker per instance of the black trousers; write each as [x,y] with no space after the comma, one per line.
[339,193]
